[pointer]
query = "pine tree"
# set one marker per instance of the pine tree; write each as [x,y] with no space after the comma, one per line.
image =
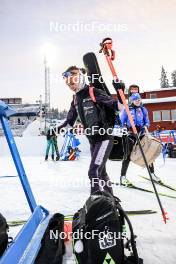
[164,83]
[173,77]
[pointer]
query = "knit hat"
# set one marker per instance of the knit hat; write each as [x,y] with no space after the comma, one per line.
[135,96]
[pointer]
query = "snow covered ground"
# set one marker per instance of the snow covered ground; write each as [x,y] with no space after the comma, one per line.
[63,186]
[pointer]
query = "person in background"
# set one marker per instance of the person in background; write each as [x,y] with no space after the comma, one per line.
[51,143]
[133,88]
[158,128]
[56,147]
[141,120]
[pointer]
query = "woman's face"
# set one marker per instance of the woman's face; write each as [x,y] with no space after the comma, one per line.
[137,102]
[73,80]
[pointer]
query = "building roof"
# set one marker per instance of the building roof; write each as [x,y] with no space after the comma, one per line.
[159,100]
[159,89]
[22,110]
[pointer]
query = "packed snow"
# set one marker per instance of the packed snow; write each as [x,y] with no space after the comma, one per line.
[63,186]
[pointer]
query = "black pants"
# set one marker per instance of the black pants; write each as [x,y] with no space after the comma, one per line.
[98,176]
[125,163]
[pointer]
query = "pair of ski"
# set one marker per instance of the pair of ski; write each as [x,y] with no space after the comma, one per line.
[92,67]
[150,191]
[7,176]
[159,183]
[70,217]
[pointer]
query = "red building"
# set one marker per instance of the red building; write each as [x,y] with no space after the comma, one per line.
[161,105]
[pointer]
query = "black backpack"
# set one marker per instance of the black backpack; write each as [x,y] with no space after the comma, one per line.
[106,113]
[98,232]
[52,246]
[3,234]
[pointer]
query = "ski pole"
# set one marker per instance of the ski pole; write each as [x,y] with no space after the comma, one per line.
[106,48]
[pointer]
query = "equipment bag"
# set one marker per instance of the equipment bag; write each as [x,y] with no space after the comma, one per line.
[52,246]
[98,232]
[152,148]
[117,152]
[3,234]
[96,80]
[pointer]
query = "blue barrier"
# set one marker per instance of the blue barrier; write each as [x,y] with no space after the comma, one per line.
[26,245]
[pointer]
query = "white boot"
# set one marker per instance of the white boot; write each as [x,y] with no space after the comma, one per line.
[155,178]
[124,181]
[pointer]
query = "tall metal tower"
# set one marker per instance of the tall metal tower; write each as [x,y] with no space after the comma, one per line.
[47,90]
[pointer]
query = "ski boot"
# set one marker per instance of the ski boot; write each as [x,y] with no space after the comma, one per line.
[125,182]
[46,157]
[52,156]
[155,178]
[57,157]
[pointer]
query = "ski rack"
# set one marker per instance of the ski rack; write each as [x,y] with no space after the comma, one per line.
[70,141]
[166,137]
[26,245]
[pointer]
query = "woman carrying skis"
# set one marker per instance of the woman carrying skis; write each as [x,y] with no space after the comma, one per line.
[91,112]
[141,120]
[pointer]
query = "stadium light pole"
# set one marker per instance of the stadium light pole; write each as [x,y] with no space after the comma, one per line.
[40,112]
[47,90]
[49,56]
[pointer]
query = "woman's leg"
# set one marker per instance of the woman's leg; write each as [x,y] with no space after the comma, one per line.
[126,162]
[52,149]
[56,149]
[106,181]
[47,148]
[152,171]
[151,167]
[100,152]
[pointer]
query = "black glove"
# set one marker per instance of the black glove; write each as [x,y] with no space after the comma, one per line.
[118,85]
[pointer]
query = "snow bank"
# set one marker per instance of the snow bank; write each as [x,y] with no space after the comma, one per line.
[36,145]
[33,129]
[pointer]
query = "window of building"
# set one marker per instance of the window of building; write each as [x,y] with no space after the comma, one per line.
[153,96]
[173,114]
[156,116]
[11,100]
[166,115]
[18,101]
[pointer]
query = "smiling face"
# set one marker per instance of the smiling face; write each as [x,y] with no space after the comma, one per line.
[137,102]
[134,89]
[72,80]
